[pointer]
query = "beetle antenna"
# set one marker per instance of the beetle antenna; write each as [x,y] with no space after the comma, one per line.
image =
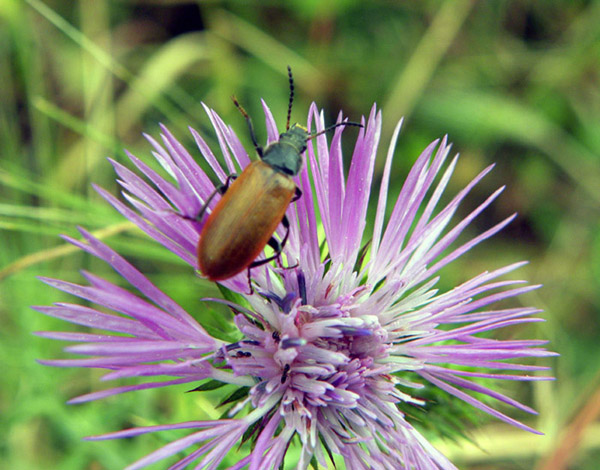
[289,114]
[339,124]
[250,126]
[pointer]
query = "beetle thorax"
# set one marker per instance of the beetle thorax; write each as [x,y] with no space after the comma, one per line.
[285,155]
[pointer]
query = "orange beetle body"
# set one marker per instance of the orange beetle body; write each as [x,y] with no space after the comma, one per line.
[244,220]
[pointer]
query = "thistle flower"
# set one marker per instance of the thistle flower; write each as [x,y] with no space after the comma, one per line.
[332,346]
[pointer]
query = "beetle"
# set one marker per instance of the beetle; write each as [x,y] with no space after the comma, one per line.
[253,205]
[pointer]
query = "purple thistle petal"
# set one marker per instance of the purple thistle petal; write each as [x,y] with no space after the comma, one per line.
[272,132]
[396,225]
[223,132]
[222,443]
[307,232]
[264,441]
[79,337]
[157,322]
[136,279]
[186,175]
[438,371]
[221,435]
[153,350]
[113,362]
[477,404]
[241,464]
[192,181]
[186,253]
[210,159]
[130,388]
[222,425]
[335,192]
[180,232]
[143,191]
[198,368]
[438,161]
[483,390]
[383,192]
[359,179]
[80,315]
[318,166]
[185,203]
[453,234]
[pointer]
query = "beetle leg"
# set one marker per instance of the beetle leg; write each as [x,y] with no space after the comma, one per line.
[221,189]
[258,148]
[286,224]
[298,195]
[277,247]
[250,282]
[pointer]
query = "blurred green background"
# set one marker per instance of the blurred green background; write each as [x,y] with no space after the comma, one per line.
[511,82]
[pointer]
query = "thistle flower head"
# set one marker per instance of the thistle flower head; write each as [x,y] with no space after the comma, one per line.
[334,341]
